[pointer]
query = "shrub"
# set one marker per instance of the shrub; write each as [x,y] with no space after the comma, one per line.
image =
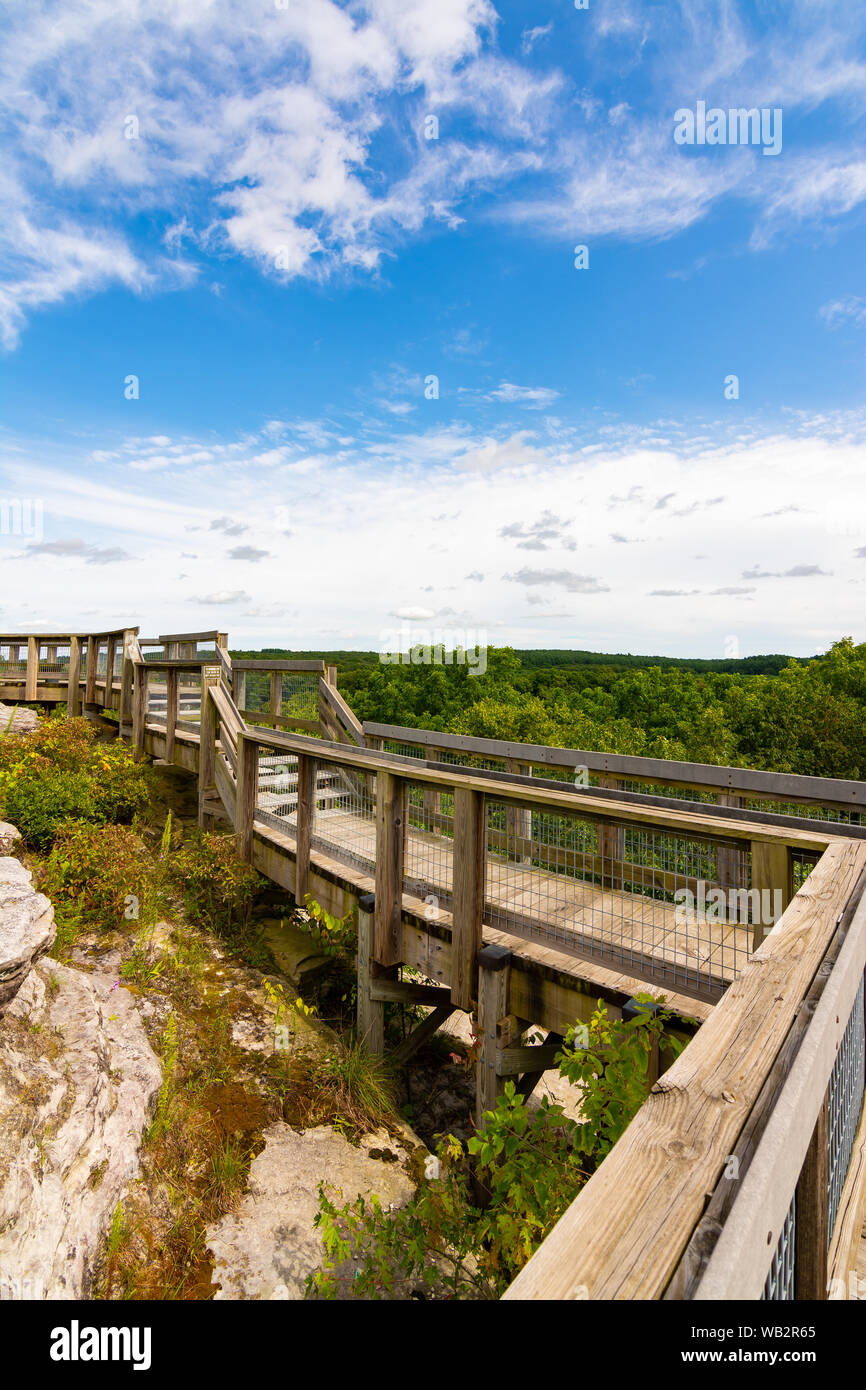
[106,871]
[218,888]
[39,801]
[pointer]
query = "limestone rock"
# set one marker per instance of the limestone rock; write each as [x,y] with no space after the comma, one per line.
[15,719]
[10,838]
[27,928]
[77,1080]
[267,1247]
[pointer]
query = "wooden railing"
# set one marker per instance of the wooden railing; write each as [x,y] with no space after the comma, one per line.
[744,1174]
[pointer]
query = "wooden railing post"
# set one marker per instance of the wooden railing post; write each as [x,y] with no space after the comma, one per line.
[126,673]
[276,699]
[813,1213]
[239,688]
[371,1012]
[73,693]
[248,787]
[390,825]
[109,671]
[470,852]
[306,804]
[31,680]
[518,820]
[611,845]
[206,757]
[494,968]
[139,709]
[771,877]
[171,711]
[90,672]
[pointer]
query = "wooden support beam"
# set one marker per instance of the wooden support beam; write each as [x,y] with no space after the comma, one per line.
[390,825]
[109,668]
[494,968]
[813,1233]
[206,759]
[332,676]
[771,874]
[419,1035]
[275,704]
[518,820]
[31,683]
[171,711]
[73,693]
[611,844]
[405,992]
[469,860]
[239,688]
[371,1012]
[306,811]
[139,709]
[513,1061]
[248,786]
[90,671]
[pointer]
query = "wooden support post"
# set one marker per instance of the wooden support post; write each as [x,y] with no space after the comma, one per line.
[276,701]
[813,1232]
[371,1012]
[171,711]
[518,820]
[332,676]
[31,679]
[729,861]
[239,688]
[206,757]
[51,653]
[306,809]
[611,845]
[126,674]
[470,851]
[109,670]
[390,821]
[73,693]
[494,968]
[90,672]
[248,787]
[771,877]
[139,710]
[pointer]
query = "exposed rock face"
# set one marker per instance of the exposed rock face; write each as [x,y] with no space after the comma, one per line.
[77,1079]
[14,719]
[269,1245]
[27,927]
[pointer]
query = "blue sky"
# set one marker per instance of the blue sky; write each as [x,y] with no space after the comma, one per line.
[283,260]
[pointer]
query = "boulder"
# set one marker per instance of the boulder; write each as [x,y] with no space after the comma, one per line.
[77,1081]
[27,928]
[16,719]
[267,1247]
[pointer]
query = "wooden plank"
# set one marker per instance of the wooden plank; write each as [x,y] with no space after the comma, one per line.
[191,637]
[850,1219]
[371,1012]
[390,823]
[407,992]
[32,677]
[248,768]
[227,788]
[306,808]
[468,893]
[771,875]
[779,786]
[171,712]
[346,720]
[813,1235]
[419,1035]
[624,1234]
[239,687]
[242,664]
[73,693]
[668,818]
[139,709]
[513,1061]
[494,964]
[90,668]
[275,702]
[207,757]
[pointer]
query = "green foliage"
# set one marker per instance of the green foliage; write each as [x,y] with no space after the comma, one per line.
[218,888]
[469,1230]
[610,1062]
[61,772]
[104,872]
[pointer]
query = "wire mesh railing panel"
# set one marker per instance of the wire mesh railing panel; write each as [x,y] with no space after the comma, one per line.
[53,659]
[406,750]
[779,1285]
[101,659]
[655,902]
[189,700]
[802,864]
[13,658]
[845,1102]
[277,790]
[344,814]
[157,698]
[300,692]
[428,845]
